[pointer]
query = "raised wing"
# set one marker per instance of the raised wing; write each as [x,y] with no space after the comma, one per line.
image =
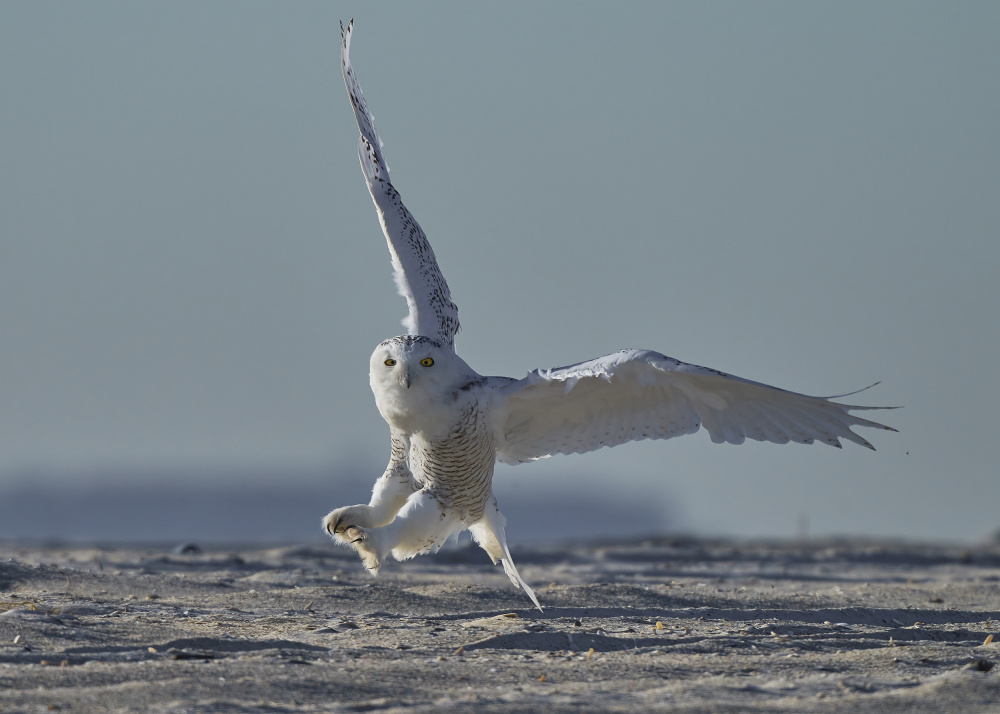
[639,394]
[432,313]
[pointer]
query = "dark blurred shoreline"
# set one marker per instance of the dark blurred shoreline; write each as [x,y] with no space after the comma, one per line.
[275,507]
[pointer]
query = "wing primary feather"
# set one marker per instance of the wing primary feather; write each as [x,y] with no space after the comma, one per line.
[431,312]
[616,398]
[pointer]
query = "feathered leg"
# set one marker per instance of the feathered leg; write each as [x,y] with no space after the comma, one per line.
[489,533]
[421,526]
[388,496]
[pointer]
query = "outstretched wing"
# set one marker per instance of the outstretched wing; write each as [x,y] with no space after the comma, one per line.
[432,313]
[639,394]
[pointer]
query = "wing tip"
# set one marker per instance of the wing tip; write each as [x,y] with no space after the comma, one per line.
[345,41]
[856,391]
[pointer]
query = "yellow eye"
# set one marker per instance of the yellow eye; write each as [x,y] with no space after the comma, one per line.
[426,361]
[390,362]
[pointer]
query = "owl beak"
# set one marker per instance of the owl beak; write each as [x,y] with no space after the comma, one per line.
[406,378]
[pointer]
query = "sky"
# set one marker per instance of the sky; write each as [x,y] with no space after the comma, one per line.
[192,273]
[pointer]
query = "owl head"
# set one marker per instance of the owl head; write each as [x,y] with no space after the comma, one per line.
[412,374]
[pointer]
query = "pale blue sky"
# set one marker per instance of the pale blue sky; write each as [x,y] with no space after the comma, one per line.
[192,274]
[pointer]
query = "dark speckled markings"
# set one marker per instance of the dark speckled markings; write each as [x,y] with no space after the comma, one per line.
[431,311]
[410,340]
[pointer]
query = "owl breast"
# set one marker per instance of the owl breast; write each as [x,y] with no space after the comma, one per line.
[457,467]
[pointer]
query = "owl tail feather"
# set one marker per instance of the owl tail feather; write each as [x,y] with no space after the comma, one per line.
[490,535]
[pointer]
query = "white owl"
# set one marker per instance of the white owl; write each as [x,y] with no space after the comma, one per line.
[449,424]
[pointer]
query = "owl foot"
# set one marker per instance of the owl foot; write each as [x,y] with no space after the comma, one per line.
[362,540]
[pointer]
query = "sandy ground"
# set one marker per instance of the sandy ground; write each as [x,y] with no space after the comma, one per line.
[662,625]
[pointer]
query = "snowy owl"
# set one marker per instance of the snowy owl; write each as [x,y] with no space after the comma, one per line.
[449,425]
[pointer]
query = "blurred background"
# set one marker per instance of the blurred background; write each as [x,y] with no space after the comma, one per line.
[192,274]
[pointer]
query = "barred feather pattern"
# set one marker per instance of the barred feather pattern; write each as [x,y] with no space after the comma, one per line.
[398,469]
[457,470]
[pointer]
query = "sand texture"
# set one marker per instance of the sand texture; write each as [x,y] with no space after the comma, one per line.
[660,625]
